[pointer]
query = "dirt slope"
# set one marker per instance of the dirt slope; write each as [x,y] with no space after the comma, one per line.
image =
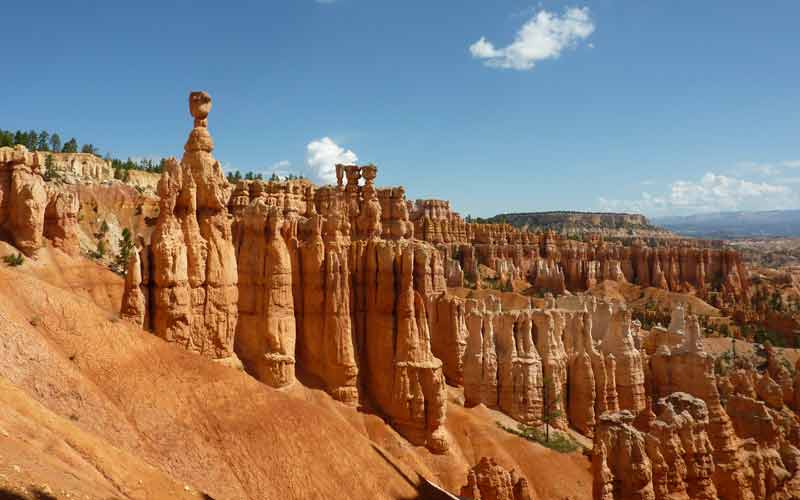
[203,424]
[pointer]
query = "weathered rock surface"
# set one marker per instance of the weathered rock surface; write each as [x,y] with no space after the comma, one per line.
[266,332]
[490,481]
[192,274]
[669,457]
[740,471]
[502,366]
[622,468]
[326,344]
[396,340]
[81,166]
[553,262]
[31,210]
[23,199]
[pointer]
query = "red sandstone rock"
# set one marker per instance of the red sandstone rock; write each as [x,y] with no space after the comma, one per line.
[490,481]
[23,199]
[326,346]
[397,342]
[61,220]
[622,467]
[193,275]
[266,333]
[629,375]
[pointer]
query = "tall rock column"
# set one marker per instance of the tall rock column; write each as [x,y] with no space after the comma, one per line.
[23,199]
[194,274]
[326,346]
[449,334]
[629,369]
[474,377]
[265,337]
[134,298]
[549,327]
[404,377]
[582,382]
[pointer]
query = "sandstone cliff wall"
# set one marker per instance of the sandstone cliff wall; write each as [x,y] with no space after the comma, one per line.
[31,210]
[84,166]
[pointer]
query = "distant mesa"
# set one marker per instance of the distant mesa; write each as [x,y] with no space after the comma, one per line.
[609,224]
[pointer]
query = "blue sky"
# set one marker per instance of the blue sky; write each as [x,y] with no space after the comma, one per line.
[662,107]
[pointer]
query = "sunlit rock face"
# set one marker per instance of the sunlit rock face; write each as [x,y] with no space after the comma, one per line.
[191,278]
[490,481]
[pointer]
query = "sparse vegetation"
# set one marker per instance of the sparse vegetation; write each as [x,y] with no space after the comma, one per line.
[100,252]
[50,171]
[550,400]
[14,260]
[559,442]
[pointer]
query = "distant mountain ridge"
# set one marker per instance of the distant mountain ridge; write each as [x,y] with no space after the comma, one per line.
[608,224]
[727,225]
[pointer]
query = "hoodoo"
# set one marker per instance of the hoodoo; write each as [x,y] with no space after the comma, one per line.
[190,281]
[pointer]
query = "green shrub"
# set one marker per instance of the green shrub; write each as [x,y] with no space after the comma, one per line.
[13,260]
[559,442]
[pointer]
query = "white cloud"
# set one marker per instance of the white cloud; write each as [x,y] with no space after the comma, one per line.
[765,169]
[322,155]
[711,193]
[544,36]
[279,168]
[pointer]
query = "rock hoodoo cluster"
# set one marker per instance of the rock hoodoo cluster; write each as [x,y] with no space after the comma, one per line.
[354,288]
[324,281]
[706,436]
[561,359]
[554,263]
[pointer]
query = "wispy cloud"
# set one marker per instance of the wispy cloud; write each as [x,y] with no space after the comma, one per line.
[322,155]
[545,36]
[711,193]
[764,168]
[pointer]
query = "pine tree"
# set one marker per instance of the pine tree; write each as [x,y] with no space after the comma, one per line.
[71,146]
[125,247]
[551,412]
[33,140]
[55,143]
[6,138]
[43,142]
[50,172]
